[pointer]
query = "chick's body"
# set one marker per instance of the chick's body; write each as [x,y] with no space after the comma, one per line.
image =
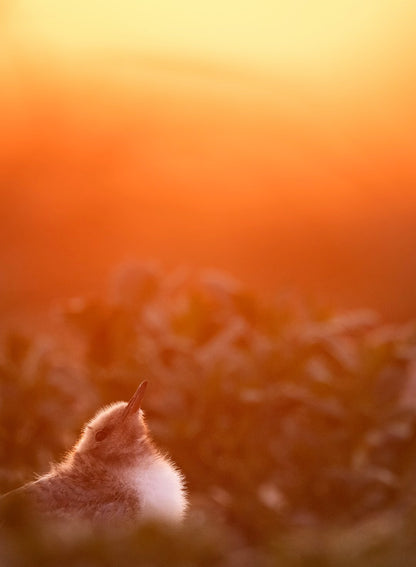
[113,475]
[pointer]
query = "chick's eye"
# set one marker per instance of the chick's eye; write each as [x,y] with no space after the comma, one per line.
[100,435]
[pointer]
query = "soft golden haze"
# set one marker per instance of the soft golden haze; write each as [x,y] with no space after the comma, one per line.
[271,139]
[219,198]
[302,36]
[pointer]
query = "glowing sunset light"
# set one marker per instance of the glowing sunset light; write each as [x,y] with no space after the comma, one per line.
[301,36]
[217,197]
[271,139]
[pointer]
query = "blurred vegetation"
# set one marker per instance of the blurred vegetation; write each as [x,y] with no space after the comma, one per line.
[294,425]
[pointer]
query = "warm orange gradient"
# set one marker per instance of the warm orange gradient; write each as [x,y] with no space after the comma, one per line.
[302,36]
[271,139]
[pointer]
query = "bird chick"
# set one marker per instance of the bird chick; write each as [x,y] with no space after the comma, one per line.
[114,475]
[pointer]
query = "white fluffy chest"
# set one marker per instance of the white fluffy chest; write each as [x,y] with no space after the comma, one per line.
[160,490]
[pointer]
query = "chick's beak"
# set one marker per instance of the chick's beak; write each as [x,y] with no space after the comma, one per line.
[134,404]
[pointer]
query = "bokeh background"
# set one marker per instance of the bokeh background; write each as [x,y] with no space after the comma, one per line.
[271,139]
[218,197]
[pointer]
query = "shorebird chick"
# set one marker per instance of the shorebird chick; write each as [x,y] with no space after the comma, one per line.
[114,475]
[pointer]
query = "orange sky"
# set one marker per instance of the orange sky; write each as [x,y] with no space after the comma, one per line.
[306,37]
[354,60]
[273,119]
[343,73]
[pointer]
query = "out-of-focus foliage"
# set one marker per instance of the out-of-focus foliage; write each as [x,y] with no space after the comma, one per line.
[293,425]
